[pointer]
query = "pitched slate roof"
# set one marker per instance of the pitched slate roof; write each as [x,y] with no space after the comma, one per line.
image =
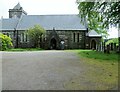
[93,33]
[9,24]
[59,22]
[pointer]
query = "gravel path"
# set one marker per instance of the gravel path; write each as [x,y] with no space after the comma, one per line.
[51,70]
[39,70]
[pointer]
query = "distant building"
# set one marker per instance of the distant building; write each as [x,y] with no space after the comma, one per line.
[66,28]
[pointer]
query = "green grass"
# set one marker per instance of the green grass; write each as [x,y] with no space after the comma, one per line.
[25,49]
[100,69]
[97,55]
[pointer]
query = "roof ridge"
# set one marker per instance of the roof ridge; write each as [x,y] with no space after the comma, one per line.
[10,18]
[54,15]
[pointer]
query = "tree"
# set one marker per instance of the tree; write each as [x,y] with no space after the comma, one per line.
[100,15]
[103,13]
[35,34]
[5,42]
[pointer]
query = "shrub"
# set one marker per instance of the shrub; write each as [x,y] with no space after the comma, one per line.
[5,42]
[113,40]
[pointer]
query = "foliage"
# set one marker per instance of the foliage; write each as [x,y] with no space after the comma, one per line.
[100,14]
[35,34]
[113,40]
[5,42]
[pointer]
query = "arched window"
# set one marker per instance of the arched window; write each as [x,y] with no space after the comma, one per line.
[73,37]
[22,37]
[77,37]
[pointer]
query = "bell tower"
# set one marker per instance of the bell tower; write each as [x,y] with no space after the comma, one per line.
[17,11]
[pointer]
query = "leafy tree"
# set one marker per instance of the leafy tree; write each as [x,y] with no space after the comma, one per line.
[35,34]
[5,42]
[100,15]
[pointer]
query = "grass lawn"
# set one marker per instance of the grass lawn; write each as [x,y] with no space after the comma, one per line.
[24,49]
[101,69]
[98,55]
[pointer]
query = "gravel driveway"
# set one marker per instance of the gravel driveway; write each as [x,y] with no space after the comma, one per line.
[39,70]
[51,70]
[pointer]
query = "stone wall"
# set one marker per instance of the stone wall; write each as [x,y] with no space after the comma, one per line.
[73,39]
[16,13]
[67,36]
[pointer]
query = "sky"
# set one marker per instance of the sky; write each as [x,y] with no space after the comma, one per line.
[40,7]
[45,7]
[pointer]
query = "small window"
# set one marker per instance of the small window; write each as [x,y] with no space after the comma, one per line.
[73,37]
[22,37]
[26,38]
[77,37]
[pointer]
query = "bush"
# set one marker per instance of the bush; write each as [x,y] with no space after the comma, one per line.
[113,40]
[5,42]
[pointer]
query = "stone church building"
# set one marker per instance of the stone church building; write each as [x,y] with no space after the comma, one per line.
[60,29]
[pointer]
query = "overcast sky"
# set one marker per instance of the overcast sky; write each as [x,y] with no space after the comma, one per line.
[40,7]
[44,7]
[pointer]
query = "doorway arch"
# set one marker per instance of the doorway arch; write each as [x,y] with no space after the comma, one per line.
[53,43]
[93,44]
